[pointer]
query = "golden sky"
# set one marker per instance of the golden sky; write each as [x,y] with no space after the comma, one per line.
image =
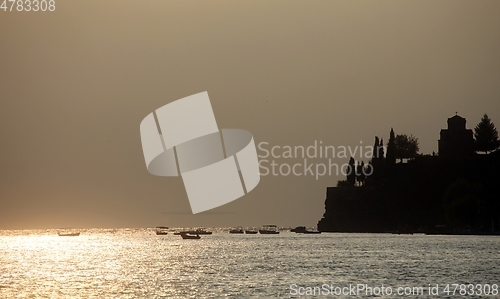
[76,83]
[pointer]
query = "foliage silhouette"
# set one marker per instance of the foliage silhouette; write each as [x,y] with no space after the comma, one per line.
[351,172]
[429,193]
[391,149]
[405,147]
[486,136]
[360,173]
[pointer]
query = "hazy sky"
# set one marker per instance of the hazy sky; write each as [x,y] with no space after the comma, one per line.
[76,83]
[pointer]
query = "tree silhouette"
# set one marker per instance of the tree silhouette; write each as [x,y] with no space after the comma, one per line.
[377,161]
[351,172]
[360,173]
[381,149]
[376,152]
[391,150]
[486,136]
[406,147]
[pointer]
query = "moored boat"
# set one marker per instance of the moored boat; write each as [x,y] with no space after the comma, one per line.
[312,232]
[269,229]
[199,231]
[299,229]
[68,234]
[161,230]
[189,237]
[237,230]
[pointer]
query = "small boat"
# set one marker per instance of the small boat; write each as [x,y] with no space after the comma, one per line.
[269,229]
[161,230]
[188,236]
[68,234]
[199,231]
[299,230]
[251,232]
[237,230]
[311,232]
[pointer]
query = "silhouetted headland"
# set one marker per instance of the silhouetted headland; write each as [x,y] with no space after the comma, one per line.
[453,192]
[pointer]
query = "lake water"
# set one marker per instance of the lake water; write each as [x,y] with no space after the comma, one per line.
[135,263]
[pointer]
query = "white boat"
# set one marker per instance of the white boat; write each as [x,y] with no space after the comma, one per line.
[188,236]
[269,229]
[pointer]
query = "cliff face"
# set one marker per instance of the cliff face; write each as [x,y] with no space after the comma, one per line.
[419,195]
[353,209]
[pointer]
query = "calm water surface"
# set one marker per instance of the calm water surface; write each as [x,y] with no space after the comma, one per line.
[135,263]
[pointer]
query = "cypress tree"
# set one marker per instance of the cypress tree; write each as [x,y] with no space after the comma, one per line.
[381,149]
[391,150]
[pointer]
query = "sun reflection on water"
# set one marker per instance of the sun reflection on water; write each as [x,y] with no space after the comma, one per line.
[135,263]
